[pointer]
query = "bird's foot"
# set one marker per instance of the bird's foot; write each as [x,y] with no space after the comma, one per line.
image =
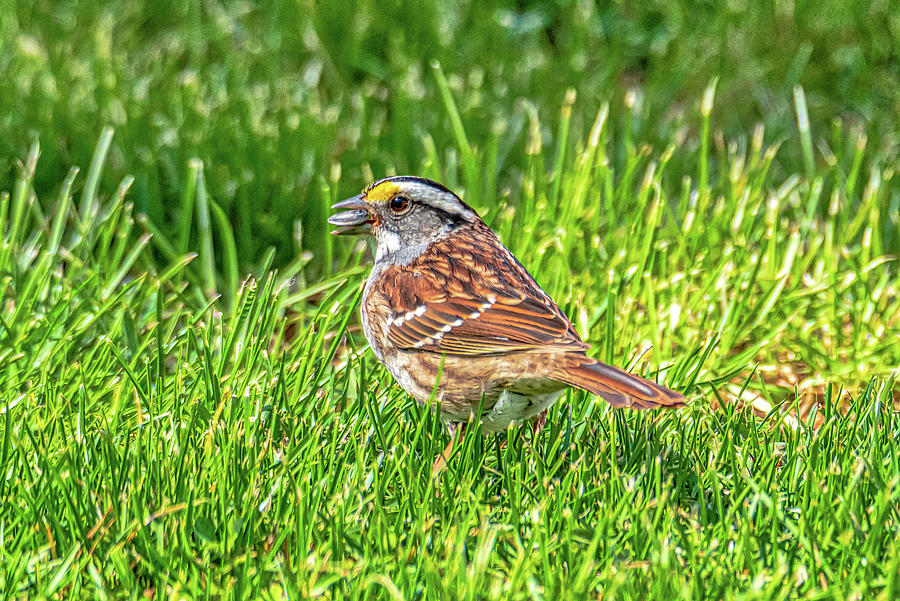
[456,434]
[537,424]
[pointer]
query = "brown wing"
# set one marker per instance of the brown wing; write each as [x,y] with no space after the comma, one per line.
[471,297]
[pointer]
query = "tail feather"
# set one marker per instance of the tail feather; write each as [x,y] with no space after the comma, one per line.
[617,387]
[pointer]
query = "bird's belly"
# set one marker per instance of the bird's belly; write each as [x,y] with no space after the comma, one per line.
[514,406]
[462,386]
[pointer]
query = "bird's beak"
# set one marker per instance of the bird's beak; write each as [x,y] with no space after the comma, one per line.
[356,219]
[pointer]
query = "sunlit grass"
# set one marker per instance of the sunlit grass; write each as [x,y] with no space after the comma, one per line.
[172,428]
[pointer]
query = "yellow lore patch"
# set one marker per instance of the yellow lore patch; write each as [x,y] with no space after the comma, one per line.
[382,192]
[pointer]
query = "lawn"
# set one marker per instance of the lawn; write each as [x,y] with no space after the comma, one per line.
[188,409]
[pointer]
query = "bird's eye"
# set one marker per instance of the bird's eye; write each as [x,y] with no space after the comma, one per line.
[399,204]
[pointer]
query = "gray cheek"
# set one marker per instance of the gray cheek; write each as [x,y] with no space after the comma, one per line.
[402,241]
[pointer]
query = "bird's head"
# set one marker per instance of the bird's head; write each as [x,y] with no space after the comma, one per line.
[405,214]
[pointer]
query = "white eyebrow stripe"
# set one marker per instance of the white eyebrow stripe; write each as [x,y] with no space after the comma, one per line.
[440,199]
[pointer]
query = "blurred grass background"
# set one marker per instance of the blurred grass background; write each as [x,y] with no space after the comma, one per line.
[270,96]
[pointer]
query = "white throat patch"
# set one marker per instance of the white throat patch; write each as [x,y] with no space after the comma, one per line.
[387,243]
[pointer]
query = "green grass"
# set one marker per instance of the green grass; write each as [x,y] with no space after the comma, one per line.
[172,427]
[158,443]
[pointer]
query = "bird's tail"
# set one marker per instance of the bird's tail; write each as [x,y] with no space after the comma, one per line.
[618,388]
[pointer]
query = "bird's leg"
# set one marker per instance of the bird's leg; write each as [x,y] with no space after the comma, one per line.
[456,432]
[537,424]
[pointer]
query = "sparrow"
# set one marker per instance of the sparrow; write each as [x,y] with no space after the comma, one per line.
[452,314]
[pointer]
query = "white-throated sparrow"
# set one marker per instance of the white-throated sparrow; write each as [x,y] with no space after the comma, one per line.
[447,303]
